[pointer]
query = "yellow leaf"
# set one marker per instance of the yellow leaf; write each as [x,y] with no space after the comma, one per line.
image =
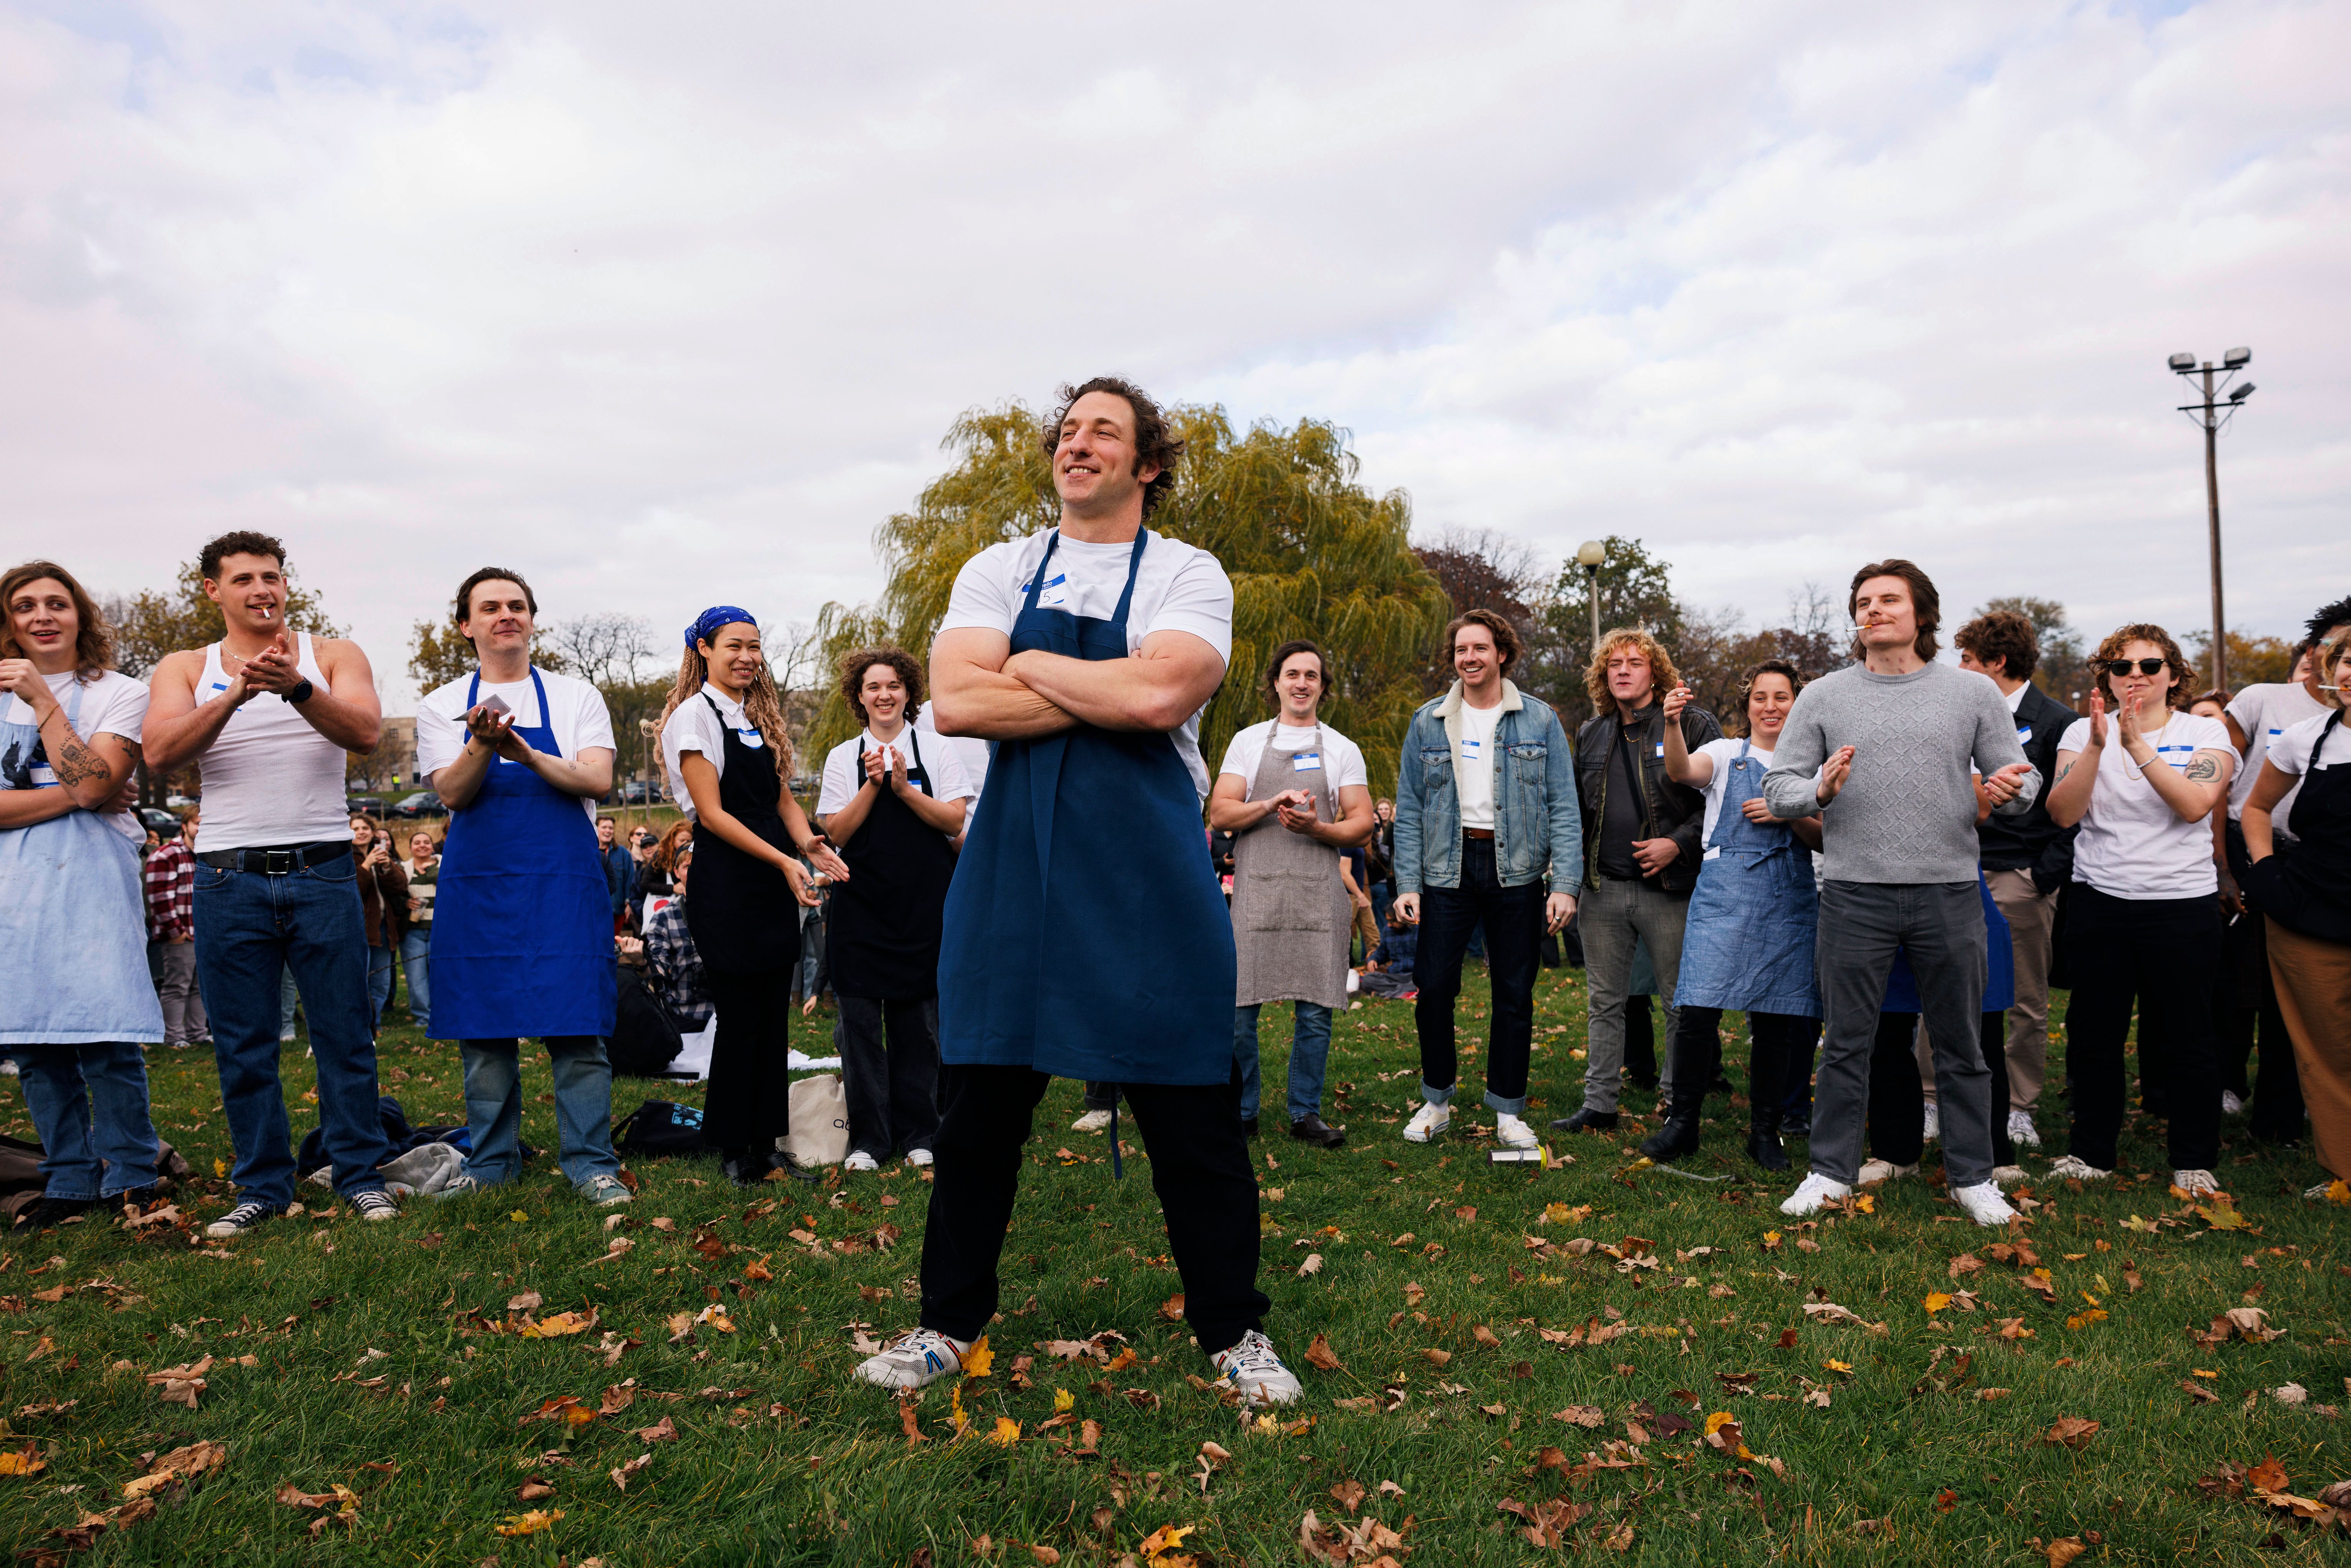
[1719,1420]
[1865,1204]
[220,1171]
[25,1461]
[518,1216]
[955,1409]
[2223,1217]
[2338,1191]
[2084,1320]
[1008,1432]
[1838,1365]
[529,1523]
[978,1361]
[558,1325]
[1064,1400]
[1936,1300]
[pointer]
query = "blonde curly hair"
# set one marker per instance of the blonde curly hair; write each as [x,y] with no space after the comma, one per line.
[1662,676]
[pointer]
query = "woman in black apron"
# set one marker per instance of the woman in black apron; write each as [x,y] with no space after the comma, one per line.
[894,831]
[723,737]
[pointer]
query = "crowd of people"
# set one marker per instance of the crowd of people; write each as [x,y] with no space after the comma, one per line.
[1886,867]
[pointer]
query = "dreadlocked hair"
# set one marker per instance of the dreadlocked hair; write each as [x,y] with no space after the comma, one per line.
[762,704]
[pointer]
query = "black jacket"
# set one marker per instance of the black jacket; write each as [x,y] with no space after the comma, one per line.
[2032,842]
[1670,810]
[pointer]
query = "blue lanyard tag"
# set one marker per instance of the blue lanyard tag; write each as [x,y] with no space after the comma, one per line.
[1661,749]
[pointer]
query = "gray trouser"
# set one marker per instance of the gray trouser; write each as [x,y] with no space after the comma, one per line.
[1941,925]
[1612,917]
[183,1007]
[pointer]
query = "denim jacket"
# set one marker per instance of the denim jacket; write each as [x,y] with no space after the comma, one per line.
[1537,827]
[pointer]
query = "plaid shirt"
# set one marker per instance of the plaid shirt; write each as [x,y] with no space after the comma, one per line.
[676,968]
[170,876]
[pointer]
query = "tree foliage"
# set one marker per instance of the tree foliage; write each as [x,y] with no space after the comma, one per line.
[1635,588]
[2253,661]
[1310,553]
[2064,672]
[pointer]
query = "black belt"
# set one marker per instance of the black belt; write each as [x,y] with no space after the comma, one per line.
[277,860]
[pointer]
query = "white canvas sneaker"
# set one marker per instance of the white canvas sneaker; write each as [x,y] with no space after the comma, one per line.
[923,1356]
[1984,1203]
[1091,1121]
[2195,1184]
[2073,1167]
[1513,1133]
[2021,1131]
[2231,1103]
[1816,1193]
[1931,1127]
[1427,1122]
[859,1160]
[1875,1171]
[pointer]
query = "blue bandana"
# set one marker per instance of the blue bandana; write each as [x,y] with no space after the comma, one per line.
[706,625]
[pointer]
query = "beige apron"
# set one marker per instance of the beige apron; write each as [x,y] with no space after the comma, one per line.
[1291,920]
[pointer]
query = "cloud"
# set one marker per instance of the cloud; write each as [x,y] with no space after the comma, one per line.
[668,308]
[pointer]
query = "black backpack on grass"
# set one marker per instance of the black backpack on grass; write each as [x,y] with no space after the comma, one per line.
[644,1041]
[659,1128]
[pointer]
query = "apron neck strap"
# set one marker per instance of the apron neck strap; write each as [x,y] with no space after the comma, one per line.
[1036,578]
[2324,730]
[1133,569]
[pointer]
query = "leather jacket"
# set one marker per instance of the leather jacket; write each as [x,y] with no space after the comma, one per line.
[1670,810]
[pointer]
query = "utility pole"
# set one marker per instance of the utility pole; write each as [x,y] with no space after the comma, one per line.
[2211,413]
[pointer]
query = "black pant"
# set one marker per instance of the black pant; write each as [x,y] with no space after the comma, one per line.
[1200,1167]
[2247,996]
[749,1103]
[1897,1103]
[892,1094]
[1513,919]
[1641,1043]
[2164,952]
[1101,1096]
[1773,1042]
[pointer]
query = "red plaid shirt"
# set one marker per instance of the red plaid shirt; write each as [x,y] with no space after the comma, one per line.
[170,876]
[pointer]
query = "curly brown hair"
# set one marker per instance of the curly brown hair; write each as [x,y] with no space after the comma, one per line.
[857,661]
[2122,637]
[1662,676]
[93,638]
[662,857]
[1506,635]
[2005,636]
[1155,441]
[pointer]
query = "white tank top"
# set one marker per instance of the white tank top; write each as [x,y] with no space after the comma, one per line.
[268,777]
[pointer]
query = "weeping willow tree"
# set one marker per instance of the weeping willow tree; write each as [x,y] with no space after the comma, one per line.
[1310,553]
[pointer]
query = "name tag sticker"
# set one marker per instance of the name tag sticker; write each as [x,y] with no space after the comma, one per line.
[44,775]
[1661,749]
[2023,733]
[1307,762]
[1472,748]
[1056,592]
[750,738]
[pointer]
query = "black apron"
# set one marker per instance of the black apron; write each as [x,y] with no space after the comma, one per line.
[2302,886]
[743,917]
[882,925]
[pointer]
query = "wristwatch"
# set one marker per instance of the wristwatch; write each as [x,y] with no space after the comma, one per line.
[301,694]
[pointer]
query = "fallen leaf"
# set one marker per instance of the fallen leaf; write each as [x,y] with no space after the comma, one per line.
[529,1523]
[1936,1300]
[1172,1309]
[529,1302]
[1587,1415]
[2071,1431]
[623,1474]
[1311,1267]
[662,1431]
[1319,1355]
[559,1325]
[1350,1494]
[2064,1549]
[1007,1433]
[979,1361]
[25,1461]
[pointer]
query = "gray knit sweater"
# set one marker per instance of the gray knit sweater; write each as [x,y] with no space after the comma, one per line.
[1908,811]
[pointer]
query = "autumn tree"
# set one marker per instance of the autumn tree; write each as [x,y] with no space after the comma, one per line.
[2064,672]
[1635,588]
[1310,553]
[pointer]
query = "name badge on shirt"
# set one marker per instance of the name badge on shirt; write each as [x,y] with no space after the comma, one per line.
[1055,593]
[2179,760]
[2023,734]
[44,775]
[1661,749]
[1306,762]
[1472,749]
[749,735]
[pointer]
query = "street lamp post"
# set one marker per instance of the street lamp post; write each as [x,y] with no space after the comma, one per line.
[1589,555]
[2212,412]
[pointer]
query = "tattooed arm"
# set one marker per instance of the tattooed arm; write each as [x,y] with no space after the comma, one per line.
[89,772]
[2194,790]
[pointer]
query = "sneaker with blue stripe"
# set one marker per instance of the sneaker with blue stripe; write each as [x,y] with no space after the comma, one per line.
[922,1357]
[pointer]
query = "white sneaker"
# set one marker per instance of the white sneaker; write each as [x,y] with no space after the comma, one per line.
[918,1158]
[1253,1369]
[2318,1194]
[2021,1131]
[1428,1122]
[2008,1175]
[1931,1127]
[2073,1167]
[923,1356]
[859,1160]
[1091,1121]
[1874,1171]
[1984,1203]
[1513,1133]
[1816,1193]
[2231,1103]
[2195,1184]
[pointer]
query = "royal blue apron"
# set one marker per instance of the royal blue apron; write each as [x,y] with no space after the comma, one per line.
[1085,934]
[2000,970]
[1747,944]
[522,923]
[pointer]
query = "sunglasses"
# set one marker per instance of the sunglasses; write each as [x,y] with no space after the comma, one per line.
[2123,666]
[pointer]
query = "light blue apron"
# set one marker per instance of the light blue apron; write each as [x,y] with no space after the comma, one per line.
[1747,943]
[73,917]
[522,923]
[1086,934]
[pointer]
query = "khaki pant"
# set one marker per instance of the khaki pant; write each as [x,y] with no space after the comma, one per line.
[2031,916]
[2313,990]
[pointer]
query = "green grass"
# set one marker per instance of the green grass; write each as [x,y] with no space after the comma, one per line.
[789,1462]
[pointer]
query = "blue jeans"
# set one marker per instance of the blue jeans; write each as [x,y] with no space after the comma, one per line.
[415,955]
[379,962]
[1310,1053]
[90,1107]
[583,1107]
[252,927]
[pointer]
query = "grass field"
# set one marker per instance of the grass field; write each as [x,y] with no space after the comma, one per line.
[1552,1341]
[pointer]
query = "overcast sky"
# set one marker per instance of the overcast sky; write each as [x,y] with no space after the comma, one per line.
[666,306]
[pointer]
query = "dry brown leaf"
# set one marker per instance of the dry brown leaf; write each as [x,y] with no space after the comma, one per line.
[623,1474]
[529,1302]
[1320,1356]
[1485,1337]
[2064,1549]
[2071,1431]
[1349,1494]
[1311,1267]
[1587,1415]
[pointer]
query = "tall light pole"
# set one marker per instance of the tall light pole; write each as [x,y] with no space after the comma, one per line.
[2213,413]
[1589,555]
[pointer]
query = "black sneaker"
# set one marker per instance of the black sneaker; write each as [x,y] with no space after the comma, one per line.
[1249,1127]
[53,1211]
[1311,1129]
[746,1168]
[1586,1120]
[138,1199]
[247,1216]
[375,1204]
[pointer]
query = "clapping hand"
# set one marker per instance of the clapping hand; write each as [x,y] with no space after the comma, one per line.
[1296,810]
[821,855]
[2004,785]
[2127,730]
[274,669]
[885,768]
[1834,773]
[2097,720]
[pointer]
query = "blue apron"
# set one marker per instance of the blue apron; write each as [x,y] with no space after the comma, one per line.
[1999,975]
[1747,944]
[522,923]
[1085,933]
[73,916]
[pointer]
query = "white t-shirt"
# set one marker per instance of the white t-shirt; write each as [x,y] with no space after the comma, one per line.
[843,777]
[1724,751]
[693,727]
[1178,587]
[576,712]
[2289,750]
[1473,764]
[2132,844]
[114,704]
[1338,759]
[2266,712]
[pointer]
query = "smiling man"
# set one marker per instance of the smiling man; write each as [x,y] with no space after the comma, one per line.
[1895,741]
[1085,934]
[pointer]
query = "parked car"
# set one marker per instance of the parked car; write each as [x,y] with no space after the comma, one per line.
[371,805]
[643,792]
[165,823]
[424,803]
